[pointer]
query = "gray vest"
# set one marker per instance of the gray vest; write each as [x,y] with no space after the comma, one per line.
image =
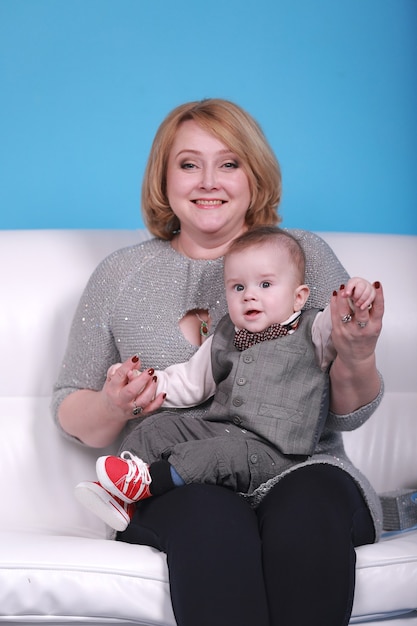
[274,389]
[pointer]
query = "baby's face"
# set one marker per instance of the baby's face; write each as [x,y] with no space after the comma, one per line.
[262,287]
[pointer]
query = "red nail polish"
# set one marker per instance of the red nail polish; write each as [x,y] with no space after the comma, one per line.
[335,293]
[377,284]
[154,379]
[164,395]
[341,287]
[135,358]
[151,371]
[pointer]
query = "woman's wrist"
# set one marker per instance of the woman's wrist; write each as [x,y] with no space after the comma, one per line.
[85,414]
[353,384]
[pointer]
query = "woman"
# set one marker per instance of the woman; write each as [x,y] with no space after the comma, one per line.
[289,558]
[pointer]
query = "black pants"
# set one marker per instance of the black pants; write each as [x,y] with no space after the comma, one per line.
[289,563]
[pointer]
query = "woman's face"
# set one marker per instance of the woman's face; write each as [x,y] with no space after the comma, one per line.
[207,187]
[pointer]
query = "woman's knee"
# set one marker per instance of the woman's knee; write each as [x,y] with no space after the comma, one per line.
[321,496]
[192,513]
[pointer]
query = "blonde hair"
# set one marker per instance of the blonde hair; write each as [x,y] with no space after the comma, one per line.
[262,235]
[234,127]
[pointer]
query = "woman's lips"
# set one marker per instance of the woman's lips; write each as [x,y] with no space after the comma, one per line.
[210,203]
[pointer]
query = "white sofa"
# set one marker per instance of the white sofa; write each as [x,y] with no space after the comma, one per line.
[56,565]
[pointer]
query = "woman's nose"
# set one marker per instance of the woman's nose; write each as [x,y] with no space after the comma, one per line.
[209,178]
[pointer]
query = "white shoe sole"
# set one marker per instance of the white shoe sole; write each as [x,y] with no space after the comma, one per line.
[98,501]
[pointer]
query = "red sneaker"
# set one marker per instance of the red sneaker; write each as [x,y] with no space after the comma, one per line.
[112,510]
[125,476]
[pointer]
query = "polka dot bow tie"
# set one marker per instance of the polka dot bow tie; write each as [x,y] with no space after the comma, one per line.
[245,339]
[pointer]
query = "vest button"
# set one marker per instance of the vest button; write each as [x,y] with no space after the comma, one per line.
[237,401]
[236,420]
[248,358]
[253,458]
[241,381]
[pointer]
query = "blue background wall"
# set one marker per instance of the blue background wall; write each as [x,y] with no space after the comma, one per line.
[85,83]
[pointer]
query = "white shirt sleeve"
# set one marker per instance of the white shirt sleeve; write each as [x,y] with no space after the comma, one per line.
[190,383]
[321,334]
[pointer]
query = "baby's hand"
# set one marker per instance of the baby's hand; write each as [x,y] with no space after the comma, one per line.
[360,292]
[135,371]
[112,370]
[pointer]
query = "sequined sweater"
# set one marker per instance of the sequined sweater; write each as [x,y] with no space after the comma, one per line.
[133,303]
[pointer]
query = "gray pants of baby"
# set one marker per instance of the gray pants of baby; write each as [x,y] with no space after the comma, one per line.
[208,451]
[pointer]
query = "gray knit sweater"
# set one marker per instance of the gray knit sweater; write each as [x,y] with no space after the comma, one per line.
[133,303]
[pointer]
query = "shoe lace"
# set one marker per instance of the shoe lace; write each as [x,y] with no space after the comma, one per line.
[138,469]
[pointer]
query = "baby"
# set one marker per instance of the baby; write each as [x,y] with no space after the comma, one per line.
[267,369]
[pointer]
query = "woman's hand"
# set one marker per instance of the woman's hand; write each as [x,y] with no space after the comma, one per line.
[131,392]
[97,417]
[356,320]
[354,377]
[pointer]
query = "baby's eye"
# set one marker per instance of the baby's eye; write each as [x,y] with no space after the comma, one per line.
[265,284]
[238,287]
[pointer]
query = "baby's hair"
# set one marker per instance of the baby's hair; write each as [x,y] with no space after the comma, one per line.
[261,235]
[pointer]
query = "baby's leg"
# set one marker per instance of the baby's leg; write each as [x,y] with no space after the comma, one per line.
[155,437]
[233,458]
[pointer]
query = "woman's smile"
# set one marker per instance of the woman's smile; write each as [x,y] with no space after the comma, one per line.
[201,203]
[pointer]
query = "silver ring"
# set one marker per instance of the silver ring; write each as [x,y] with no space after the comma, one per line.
[362,324]
[137,410]
[346,318]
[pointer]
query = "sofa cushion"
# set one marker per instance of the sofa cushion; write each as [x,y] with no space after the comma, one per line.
[383,573]
[75,578]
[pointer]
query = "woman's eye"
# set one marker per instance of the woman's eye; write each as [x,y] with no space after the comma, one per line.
[265,284]
[187,166]
[230,165]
